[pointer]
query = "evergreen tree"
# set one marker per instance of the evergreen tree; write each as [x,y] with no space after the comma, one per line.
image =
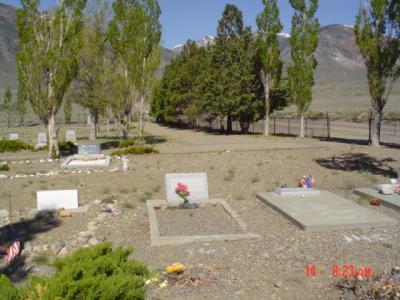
[303,41]
[7,104]
[230,28]
[269,26]
[378,36]
[47,58]
[21,104]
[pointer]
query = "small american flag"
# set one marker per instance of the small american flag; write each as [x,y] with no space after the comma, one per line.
[12,252]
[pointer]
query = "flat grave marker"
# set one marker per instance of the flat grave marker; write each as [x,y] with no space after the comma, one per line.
[392,201]
[323,212]
[70,136]
[53,200]
[89,148]
[14,137]
[196,182]
[296,192]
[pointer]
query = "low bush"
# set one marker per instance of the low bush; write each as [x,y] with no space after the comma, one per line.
[126,143]
[89,273]
[134,150]
[13,146]
[4,167]
[67,146]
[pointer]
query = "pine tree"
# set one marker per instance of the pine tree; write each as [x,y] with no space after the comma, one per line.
[303,41]
[269,26]
[47,58]
[378,36]
[230,27]
[7,104]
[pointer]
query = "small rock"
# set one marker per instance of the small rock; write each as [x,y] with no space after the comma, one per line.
[93,242]
[4,213]
[85,234]
[278,284]
[92,227]
[63,252]
[63,213]
[37,249]
[110,206]
[83,239]
[45,247]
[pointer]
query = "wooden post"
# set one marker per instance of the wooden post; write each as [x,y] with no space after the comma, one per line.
[288,126]
[274,125]
[306,126]
[369,128]
[328,125]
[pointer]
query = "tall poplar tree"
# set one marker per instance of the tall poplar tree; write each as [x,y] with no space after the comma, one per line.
[93,84]
[47,58]
[7,104]
[269,25]
[21,104]
[135,34]
[303,41]
[377,33]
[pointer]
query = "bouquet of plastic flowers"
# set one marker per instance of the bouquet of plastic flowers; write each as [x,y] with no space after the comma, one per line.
[182,191]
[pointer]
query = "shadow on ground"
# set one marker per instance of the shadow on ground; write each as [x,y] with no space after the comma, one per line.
[25,231]
[360,162]
[360,142]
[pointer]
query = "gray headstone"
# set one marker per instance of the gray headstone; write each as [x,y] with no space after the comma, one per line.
[42,138]
[87,148]
[296,192]
[14,137]
[70,136]
[52,200]
[196,182]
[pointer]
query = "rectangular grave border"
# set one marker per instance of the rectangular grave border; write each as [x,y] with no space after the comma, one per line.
[157,240]
[65,164]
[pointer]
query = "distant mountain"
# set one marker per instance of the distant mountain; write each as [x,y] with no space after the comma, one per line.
[8,46]
[339,59]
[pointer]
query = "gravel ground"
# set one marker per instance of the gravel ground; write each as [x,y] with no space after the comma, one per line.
[185,222]
[272,267]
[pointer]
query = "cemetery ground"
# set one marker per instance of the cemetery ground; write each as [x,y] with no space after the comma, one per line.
[270,267]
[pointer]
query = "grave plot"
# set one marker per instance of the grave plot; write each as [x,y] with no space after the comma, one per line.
[324,211]
[212,220]
[88,156]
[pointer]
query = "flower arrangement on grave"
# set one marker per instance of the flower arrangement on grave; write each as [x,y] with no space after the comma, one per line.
[306,181]
[182,191]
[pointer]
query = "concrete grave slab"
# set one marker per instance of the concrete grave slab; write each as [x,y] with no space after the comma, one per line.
[53,200]
[88,148]
[14,137]
[392,201]
[70,136]
[324,212]
[157,240]
[78,161]
[196,182]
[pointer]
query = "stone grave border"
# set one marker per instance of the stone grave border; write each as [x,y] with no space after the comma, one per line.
[65,164]
[157,240]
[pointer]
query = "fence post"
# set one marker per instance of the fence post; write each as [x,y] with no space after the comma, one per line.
[253,128]
[369,128]
[288,126]
[274,125]
[328,125]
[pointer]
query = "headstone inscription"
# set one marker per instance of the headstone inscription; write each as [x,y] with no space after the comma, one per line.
[88,148]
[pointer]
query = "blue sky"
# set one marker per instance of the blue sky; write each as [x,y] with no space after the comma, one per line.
[193,19]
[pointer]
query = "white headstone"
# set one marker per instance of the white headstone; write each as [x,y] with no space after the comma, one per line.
[53,200]
[42,139]
[296,192]
[14,137]
[88,148]
[70,136]
[196,182]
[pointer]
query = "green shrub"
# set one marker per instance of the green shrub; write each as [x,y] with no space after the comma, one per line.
[13,146]
[89,273]
[67,146]
[8,290]
[135,150]
[126,143]
[4,167]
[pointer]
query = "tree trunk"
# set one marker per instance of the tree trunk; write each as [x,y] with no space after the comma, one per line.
[93,127]
[229,124]
[244,127]
[221,124]
[141,119]
[301,134]
[54,151]
[376,129]
[266,84]
[266,124]
[108,126]
[125,127]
